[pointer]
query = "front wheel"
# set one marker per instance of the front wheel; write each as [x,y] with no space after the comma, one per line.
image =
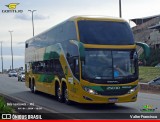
[111,104]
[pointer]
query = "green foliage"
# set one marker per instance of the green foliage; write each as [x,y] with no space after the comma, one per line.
[141,57]
[154,57]
[147,74]
[3,107]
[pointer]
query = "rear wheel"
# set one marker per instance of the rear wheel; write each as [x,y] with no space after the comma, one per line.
[59,94]
[33,87]
[66,96]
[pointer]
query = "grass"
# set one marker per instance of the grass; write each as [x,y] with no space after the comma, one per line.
[147,74]
[3,107]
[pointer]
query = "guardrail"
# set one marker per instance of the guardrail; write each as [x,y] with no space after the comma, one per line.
[145,87]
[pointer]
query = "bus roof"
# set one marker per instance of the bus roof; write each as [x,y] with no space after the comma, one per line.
[83,17]
[100,18]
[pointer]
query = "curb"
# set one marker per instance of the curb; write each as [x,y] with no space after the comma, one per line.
[45,112]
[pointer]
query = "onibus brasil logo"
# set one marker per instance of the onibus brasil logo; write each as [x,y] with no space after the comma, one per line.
[12,8]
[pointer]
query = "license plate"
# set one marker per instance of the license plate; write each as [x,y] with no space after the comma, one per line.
[113,99]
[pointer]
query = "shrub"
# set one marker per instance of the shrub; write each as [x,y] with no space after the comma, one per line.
[3,107]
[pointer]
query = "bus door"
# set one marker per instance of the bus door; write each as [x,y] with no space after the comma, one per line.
[74,64]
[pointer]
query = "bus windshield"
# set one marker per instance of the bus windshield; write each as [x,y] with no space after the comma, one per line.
[109,65]
[105,32]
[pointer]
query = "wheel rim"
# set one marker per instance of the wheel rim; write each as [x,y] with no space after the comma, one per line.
[66,95]
[34,88]
[59,93]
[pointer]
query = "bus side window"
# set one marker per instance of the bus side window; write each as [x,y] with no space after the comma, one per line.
[74,65]
[34,67]
[51,68]
[57,67]
[76,68]
[48,66]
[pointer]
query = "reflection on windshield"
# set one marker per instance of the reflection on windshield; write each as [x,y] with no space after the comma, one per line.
[105,32]
[96,62]
[104,64]
[123,64]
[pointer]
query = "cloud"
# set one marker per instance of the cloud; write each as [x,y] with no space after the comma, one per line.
[17,50]
[28,17]
[14,44]
[40,17]
[18,61]
[22,17]
[21,43]
[15,57]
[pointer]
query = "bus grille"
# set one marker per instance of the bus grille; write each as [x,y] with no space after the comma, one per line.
[113,93]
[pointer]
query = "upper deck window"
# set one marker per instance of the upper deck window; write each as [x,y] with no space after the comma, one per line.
[105,32]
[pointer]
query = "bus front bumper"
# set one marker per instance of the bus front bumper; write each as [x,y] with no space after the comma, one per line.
[90,98]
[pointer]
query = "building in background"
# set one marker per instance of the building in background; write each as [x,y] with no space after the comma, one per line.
[147,30]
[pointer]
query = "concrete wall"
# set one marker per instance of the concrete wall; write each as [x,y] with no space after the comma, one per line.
[144,34]
[144,87]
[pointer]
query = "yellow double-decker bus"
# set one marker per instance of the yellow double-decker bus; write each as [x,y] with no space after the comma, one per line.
[84,59]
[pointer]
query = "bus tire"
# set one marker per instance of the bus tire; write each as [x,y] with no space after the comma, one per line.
[59,96]
[111,104]
[66,99]
[33,87]
[30,83]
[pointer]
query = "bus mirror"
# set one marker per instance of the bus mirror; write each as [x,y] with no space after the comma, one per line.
[145,48]
[80,48]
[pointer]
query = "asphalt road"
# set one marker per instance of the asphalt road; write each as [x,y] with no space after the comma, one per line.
[11,87]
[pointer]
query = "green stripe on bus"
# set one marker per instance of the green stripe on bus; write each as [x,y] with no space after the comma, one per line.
[46,78]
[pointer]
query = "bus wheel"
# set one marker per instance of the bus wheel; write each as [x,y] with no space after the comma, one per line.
[66,99]
[33,87]
[58,94]
[111,104]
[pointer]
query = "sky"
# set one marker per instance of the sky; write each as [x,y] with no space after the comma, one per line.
[51,12]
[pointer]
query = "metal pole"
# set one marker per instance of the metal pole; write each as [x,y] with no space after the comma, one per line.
[120,10]
[32,20]
[32,24]
[2,57]
[11,48]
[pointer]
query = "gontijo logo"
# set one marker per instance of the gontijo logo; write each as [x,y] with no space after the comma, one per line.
[12,8]
[12,5]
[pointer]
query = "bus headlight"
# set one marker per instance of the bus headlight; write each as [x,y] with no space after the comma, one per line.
[133,90]
[89,90]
